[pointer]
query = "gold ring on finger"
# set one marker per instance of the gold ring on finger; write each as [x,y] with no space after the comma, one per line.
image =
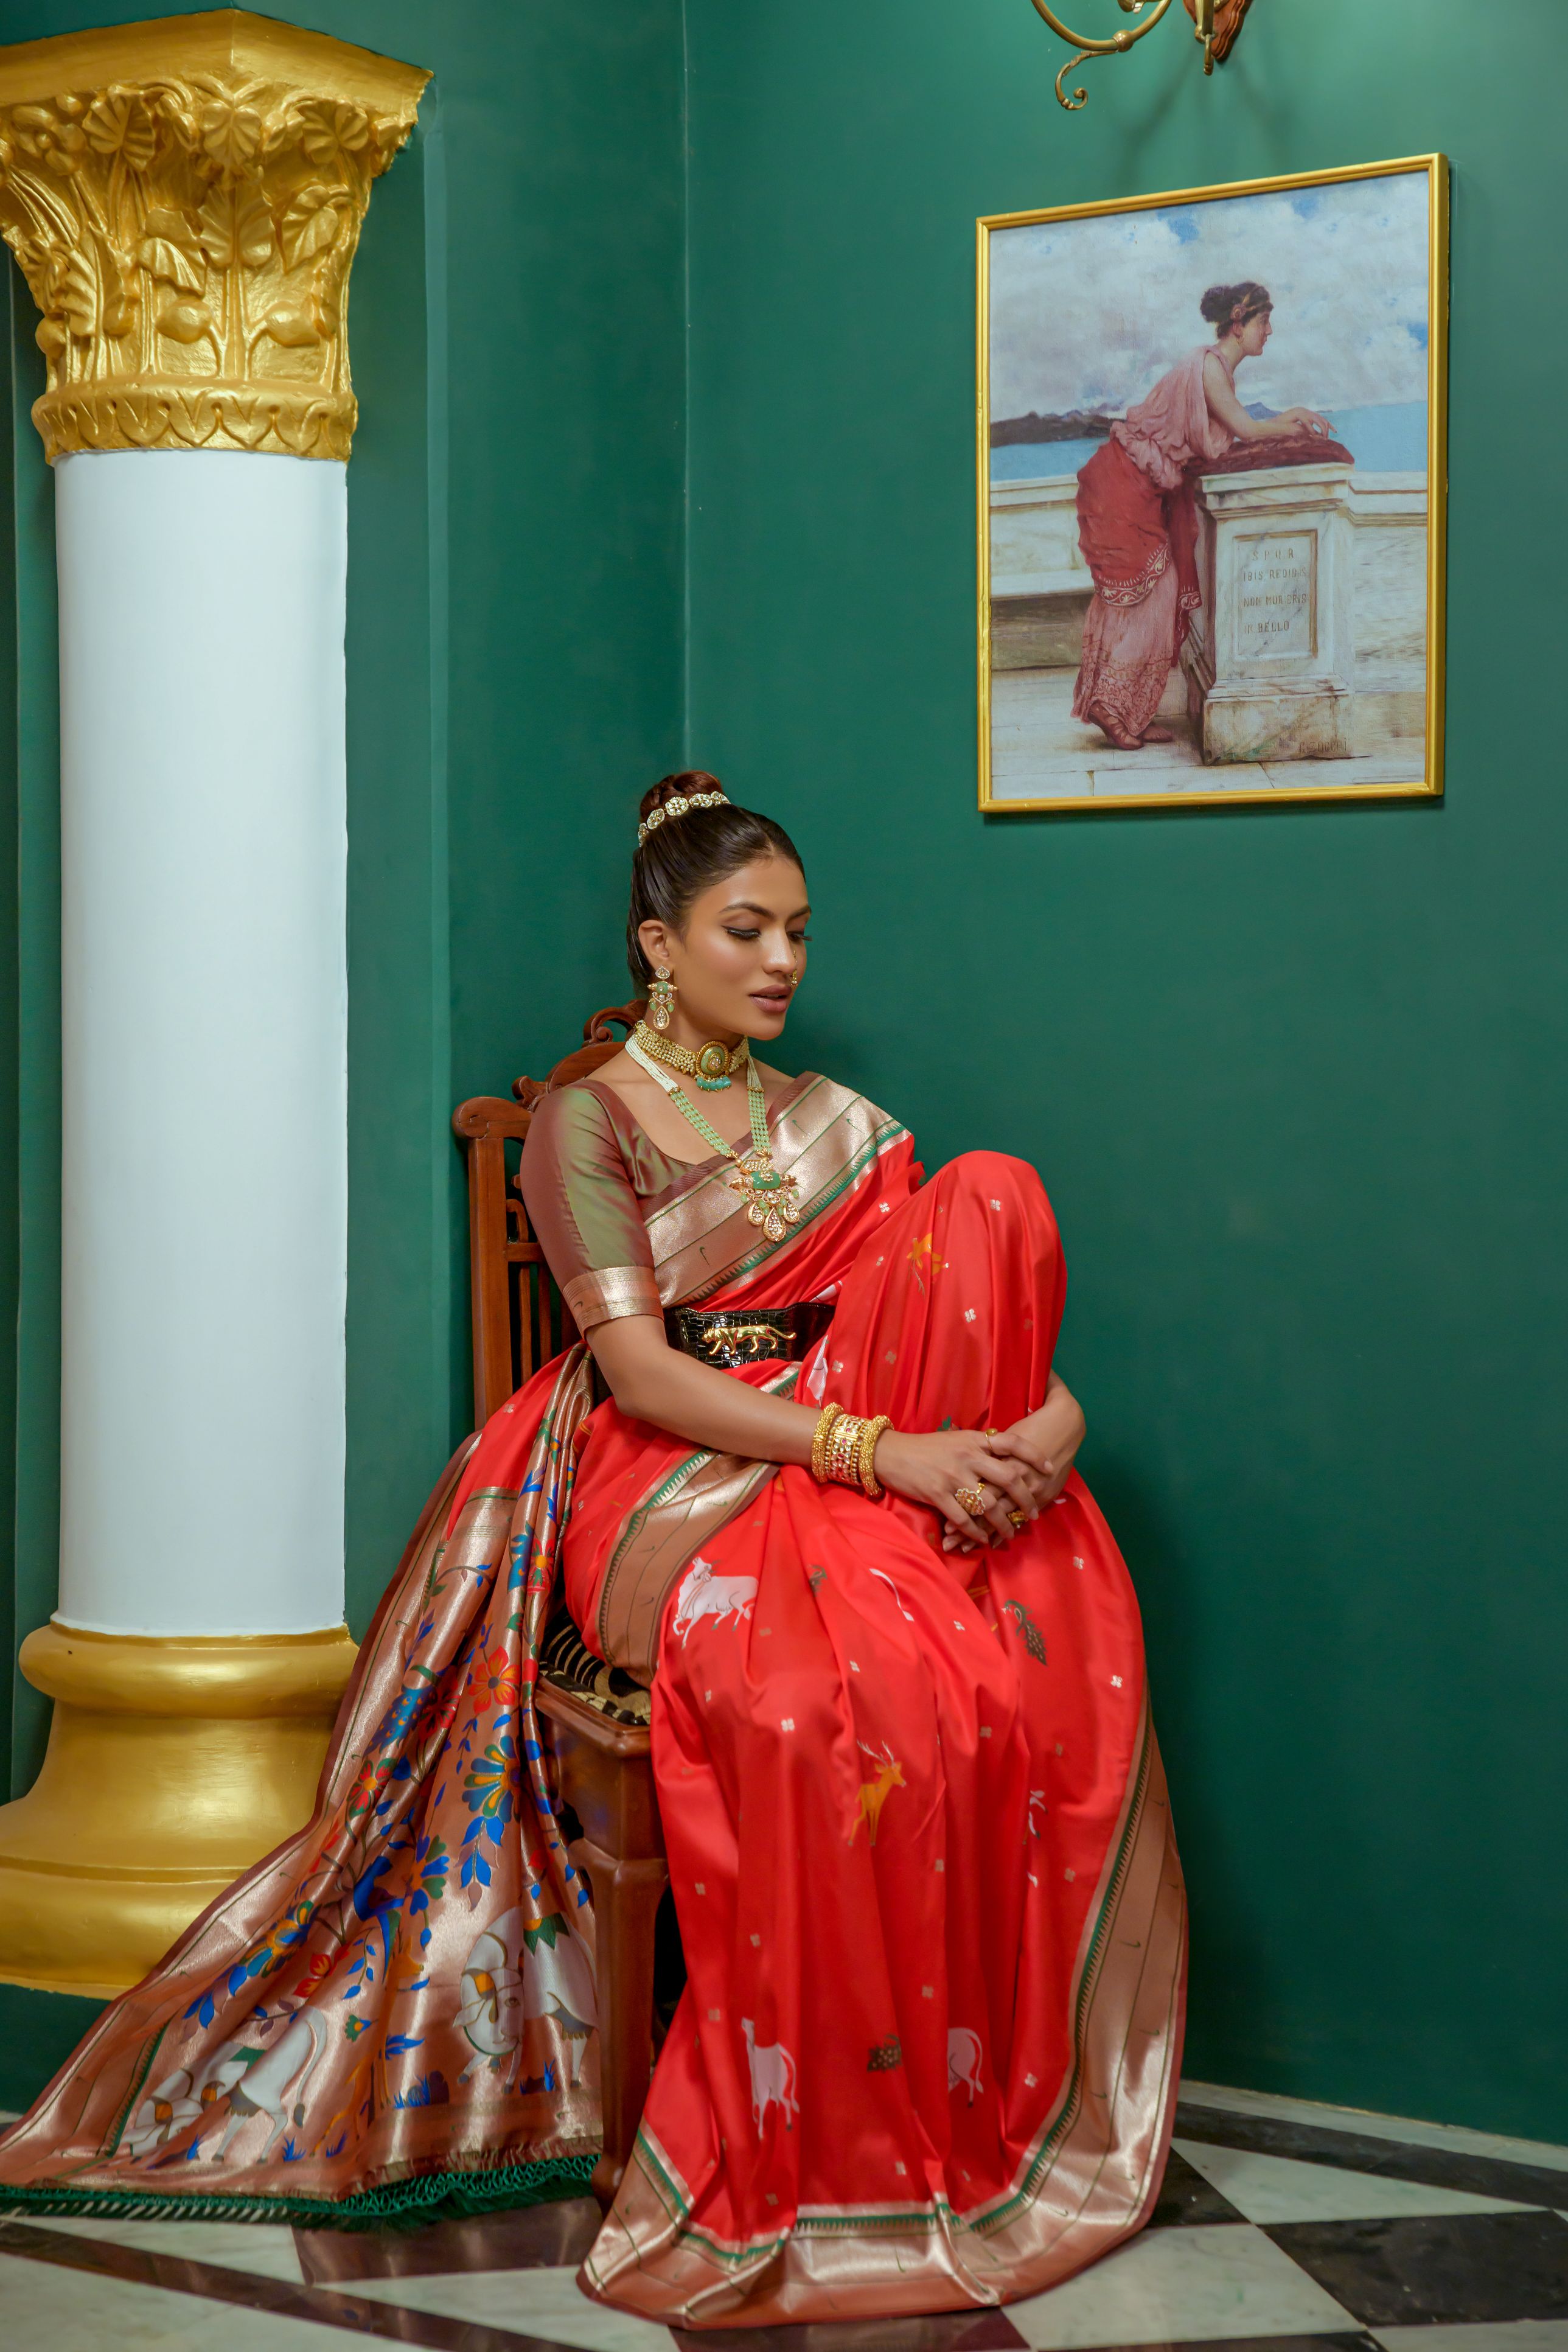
[1019,1518]
[970,1498]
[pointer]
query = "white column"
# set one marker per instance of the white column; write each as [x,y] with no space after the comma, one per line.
[185,197]
[204,1041]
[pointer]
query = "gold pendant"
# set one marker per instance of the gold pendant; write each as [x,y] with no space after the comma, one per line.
[770,1199]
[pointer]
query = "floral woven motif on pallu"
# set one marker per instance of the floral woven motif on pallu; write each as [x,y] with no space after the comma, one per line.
[357,2029]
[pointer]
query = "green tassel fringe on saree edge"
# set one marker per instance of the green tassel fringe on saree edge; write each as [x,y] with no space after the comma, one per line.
[400,2204]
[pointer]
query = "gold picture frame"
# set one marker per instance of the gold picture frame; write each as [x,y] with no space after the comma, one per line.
[1344,699]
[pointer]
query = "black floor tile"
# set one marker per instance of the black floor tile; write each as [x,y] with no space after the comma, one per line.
[1390,2159]
[535,2237]
[1450,2267]
[1187,2198]
[943,2331]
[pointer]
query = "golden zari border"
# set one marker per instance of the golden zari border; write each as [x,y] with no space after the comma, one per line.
[684,1511]
[605,1294]
[826,1138]
[1085,2184]
[1430,786]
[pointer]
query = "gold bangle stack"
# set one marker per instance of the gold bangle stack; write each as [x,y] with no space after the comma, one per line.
[843,1448]
[824,1430]
[842,1451]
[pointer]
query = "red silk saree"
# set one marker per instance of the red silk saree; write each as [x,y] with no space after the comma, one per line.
[919,1838]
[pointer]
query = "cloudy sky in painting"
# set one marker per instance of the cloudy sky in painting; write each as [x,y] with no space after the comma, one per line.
[1091,313]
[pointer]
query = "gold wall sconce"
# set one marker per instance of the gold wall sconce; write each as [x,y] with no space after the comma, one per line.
[1215,24]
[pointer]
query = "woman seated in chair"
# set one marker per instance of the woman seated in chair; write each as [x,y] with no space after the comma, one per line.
[918,1836]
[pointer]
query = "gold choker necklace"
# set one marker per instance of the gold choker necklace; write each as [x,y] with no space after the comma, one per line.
[713,1066]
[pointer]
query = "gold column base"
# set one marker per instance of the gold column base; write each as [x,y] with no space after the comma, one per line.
[173,1765]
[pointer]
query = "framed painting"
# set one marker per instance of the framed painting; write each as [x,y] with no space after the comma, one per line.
[1211,490]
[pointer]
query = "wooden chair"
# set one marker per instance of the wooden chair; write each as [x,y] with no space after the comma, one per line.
[603,1769]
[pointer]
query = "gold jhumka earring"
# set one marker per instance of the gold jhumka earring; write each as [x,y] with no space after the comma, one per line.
[661,996]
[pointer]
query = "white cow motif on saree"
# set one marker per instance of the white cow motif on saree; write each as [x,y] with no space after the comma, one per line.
[704,1595]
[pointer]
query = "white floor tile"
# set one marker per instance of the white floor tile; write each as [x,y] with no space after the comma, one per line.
[1174,2286]
[534,2302]
[1375,2126]
[262,2248]
[45,2308]
[1269,2188]
[1479,2335]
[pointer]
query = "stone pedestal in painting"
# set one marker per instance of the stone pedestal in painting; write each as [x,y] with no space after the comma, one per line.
[1270,658]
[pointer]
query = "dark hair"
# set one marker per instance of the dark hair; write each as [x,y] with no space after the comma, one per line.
[687,854]
[1231,306]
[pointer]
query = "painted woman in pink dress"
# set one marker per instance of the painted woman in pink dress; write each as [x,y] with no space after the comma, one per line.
[1137,519]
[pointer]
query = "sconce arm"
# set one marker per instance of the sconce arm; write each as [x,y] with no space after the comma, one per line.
[1086,47]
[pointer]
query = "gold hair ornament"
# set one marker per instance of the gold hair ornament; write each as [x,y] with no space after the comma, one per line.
[678,807]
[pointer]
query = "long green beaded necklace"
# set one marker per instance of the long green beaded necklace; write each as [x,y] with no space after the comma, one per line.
[770,1198]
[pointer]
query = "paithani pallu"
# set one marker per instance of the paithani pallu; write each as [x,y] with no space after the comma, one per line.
[919,1837]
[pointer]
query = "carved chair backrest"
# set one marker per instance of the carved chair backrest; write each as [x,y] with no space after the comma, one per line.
[519,1322]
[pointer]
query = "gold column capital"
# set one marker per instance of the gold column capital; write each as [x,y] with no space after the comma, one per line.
[185,197]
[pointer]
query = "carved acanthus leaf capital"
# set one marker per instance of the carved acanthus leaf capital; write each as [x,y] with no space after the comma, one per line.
[185,198]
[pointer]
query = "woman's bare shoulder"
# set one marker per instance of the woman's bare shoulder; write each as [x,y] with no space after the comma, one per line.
[624,1079]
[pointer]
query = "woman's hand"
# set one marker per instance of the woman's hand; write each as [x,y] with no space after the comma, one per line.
[930,1468]
[1044,1443]
[1306,420]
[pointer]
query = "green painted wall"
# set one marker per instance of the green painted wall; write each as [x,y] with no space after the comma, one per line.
[1294,1077]
[515,635]
[30,1058]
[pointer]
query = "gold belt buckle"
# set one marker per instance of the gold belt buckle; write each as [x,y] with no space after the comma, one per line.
[749,1339]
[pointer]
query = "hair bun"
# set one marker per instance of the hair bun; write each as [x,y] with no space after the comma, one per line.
[676,788]
[1226,306]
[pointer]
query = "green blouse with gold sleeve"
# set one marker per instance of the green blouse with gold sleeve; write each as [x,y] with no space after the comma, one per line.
[584,1210]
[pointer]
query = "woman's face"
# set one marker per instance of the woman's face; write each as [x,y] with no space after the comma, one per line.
[742,954]
[1255,333]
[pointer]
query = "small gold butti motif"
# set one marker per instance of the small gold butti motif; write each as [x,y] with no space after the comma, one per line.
[185,198]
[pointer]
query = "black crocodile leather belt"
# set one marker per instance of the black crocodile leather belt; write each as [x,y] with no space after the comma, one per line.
[748,1335]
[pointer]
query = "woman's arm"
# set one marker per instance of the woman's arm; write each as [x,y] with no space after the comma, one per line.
[1047,1442]
[653,1381]
[1220,394]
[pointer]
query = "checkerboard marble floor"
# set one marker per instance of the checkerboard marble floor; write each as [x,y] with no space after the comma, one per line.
[1305,2229]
